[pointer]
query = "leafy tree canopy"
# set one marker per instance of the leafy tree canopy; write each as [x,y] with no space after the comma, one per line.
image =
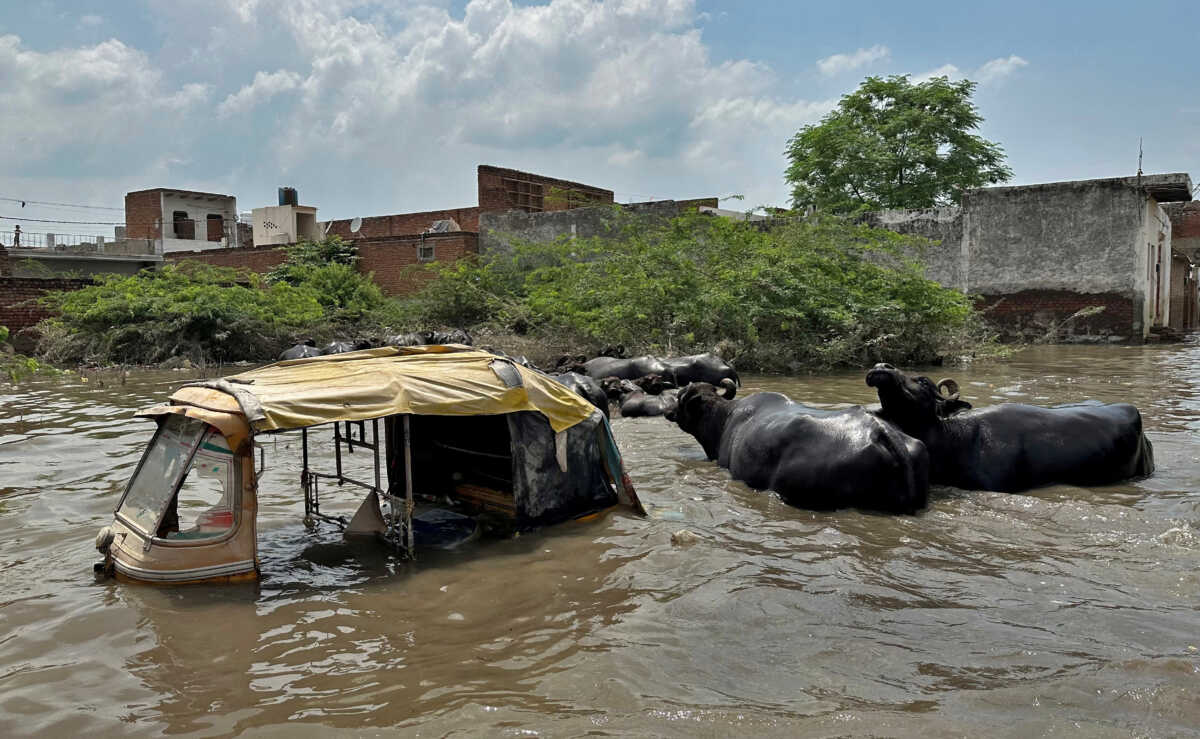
[894,144]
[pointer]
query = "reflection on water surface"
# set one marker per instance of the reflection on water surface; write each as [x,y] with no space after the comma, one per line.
[1069,610]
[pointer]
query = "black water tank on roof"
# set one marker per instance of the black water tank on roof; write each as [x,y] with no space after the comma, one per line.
[287,196]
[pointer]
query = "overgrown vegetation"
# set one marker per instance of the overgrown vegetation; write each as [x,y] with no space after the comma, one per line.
[799,295]
[16,367]
[211,314]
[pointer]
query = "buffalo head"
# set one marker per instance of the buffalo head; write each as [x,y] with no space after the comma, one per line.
[914,402]
[690,408]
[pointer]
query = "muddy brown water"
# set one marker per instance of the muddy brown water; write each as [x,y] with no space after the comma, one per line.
[1065,611]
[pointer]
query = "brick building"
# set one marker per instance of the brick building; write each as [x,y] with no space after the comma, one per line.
[1185,265]
[175,220]
[498,190]
[389,245]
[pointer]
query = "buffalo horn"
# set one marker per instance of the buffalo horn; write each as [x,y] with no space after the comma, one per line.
[729,387]
[951,388]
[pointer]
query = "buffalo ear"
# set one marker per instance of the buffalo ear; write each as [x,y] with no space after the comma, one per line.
[950,407]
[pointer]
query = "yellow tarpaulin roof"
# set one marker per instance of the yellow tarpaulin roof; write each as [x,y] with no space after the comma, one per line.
[423,380]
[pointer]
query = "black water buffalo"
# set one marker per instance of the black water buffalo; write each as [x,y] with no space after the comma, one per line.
[412,338]
[654,384]
[453,336]
[586,387]
[641,404]
[813,458]
[423,338]
[301,351]
[1013,447]
[625,369]
[700,368]
[341,347]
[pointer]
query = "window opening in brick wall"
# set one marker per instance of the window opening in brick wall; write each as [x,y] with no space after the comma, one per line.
[425,253]
[185,228]
[525,195]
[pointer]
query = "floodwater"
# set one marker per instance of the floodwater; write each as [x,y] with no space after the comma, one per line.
[1067,611]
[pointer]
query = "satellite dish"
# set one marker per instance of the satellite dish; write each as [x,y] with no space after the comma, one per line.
[355,224]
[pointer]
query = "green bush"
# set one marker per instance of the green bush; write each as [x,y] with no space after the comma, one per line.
[206,314]
[796,295]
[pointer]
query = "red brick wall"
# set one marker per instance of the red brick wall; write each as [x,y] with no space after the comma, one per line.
[1185,219]
[254,258]
[142,210]
[405,224]
[388,257]
[392,258]
[19,307]
[1029,314]
[494,195]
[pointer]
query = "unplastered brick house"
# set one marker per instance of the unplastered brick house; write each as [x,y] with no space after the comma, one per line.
[181,220]
[389,245]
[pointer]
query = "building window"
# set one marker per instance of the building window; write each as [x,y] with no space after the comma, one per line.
[185,228]
[425,253]
[216,227]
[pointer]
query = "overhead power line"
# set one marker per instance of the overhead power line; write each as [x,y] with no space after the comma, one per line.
[25,201]
[73,223]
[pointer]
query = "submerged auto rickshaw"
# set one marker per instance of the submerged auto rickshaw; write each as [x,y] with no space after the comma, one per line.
[483,436]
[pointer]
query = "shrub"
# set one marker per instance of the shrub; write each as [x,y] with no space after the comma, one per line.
[204,313]
[801,294]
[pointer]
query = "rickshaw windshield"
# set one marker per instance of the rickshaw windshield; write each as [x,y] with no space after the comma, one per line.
[160,471]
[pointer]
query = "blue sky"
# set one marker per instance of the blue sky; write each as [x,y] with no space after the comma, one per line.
[382,107]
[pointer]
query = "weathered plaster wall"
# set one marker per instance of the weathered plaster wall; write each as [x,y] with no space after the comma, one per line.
[1153,276]
[1074,236]
[943,259]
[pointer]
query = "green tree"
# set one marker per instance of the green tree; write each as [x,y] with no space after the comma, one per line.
[894,144]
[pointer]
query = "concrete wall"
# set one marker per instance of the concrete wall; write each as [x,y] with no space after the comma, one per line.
[285,224]
[1037,254]
[499,230]
[19,307]
[944,258]
[42,263]
[198,207]
[1153,277]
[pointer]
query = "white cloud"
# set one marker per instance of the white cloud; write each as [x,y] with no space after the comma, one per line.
[82,98]
[265,86]
[997,69]
[991,71]
[946,70]
[837,64]
[409,96]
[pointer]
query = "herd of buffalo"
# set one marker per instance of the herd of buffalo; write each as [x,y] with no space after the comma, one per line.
[881,457]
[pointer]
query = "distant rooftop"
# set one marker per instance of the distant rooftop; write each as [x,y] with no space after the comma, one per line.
[176,191]
[1165,188]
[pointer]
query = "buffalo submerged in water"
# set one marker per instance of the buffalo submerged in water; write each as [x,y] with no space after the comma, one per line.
[813,458]
[1013,447]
